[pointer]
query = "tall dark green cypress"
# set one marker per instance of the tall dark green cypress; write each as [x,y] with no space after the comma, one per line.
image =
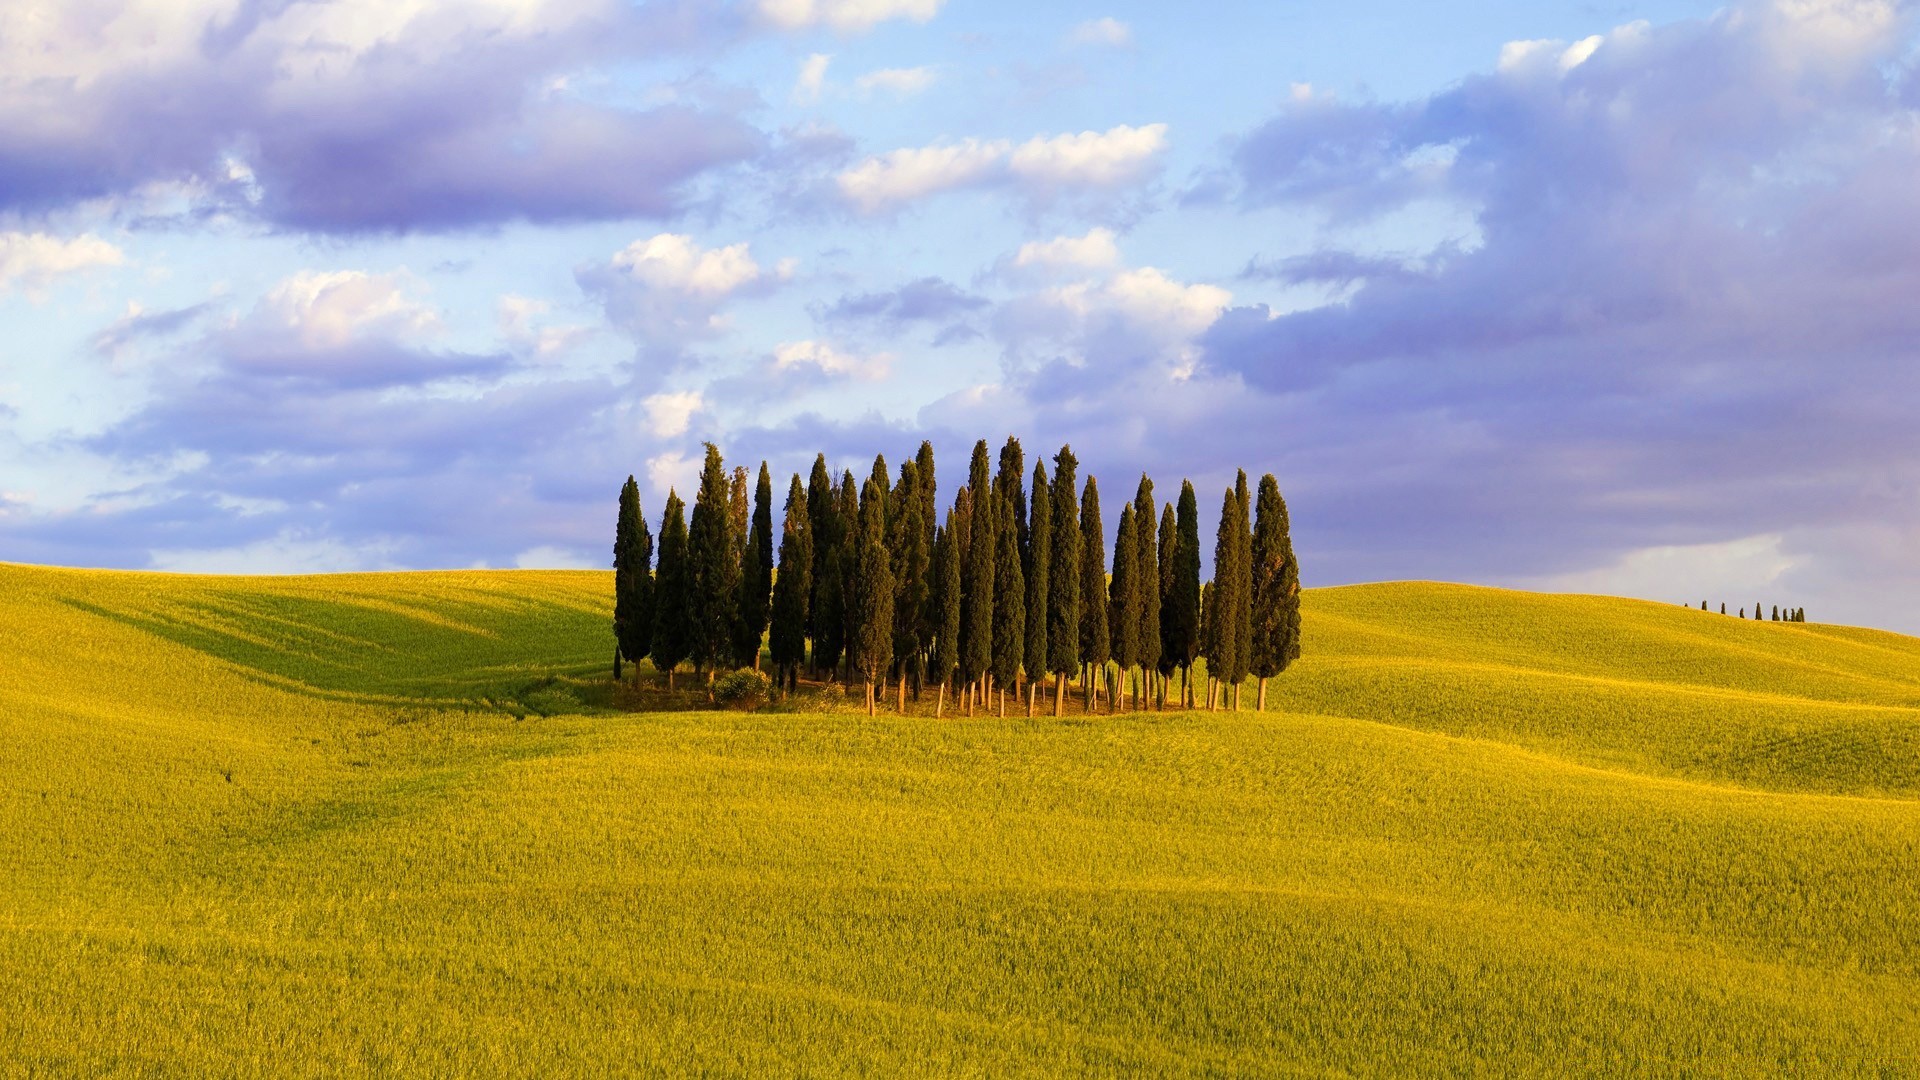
[1039,556]
[673,622]
[1096,646]
[756,576]
[1169,548]
[1220,630]
[632,581]
[1180,607]
[870,593]
[792,588]
[1147,564]
[1010,486]
[1275,589]
[946,576]
[713,563]
[908,540]
[976,636]
[1242,587]
[929,613]
[826,540]
[1123,599]
[1063,574]
[1009,602]
[882,482]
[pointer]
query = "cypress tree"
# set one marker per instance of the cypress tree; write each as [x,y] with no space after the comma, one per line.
[1147,565]
[1063,575]
[976,636]
[1169,547]
[825,530]
[883,483]
[1180,608]
[1209,644]
[673,622]
[870,597]
[713,566]
[1009,602]
[1010,488]
[792,589]
[739,510]
[929,492]
[632,581]
[929,613]
[907,540]
[756,577]
[1039,556]
[946,576]
[846,565]
[1123,600]
[1220,637]
[1723,607]
[1242,587]
[1276,590]
[1096,646]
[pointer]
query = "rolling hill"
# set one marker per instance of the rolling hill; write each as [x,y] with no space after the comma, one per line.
[388,824]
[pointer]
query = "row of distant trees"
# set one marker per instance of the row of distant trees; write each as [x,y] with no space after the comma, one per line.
[1011,587]
[1780,614]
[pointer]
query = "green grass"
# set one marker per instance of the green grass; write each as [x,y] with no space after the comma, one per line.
[320,826]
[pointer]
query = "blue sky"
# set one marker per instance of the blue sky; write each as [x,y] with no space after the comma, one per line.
[1606,297]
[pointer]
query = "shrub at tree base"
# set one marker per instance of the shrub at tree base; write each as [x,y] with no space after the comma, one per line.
[745,689]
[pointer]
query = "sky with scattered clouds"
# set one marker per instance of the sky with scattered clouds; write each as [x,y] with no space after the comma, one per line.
[1602,297]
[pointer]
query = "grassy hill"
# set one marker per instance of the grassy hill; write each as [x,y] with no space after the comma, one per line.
[384,824]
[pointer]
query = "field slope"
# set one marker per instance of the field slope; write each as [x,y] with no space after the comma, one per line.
[385,824]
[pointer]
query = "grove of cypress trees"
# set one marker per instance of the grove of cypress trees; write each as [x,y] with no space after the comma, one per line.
[907,540]
[1063,575]
[1123,602]
[1009,602]
[1147,566]
[632,581]
[1039,555]
[1180,607]
[673,622]
[756,577]
[1096,646]
[870,596]
[1276,589]
[713,564]
[792,589]
[946,590]
[976,636]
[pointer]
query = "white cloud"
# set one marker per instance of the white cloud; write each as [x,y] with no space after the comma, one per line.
[668,290]
[845,16]
[515,316]
[1044,164]
[328,310]
[812,79]
[900,82]
[288,552]
[31,261]
[669,415]
[673,261]
[800,355]
[1099,158]
[1093,251]
[1730,571]
[672,470]
[904,175]
[1106,31]
[549,557]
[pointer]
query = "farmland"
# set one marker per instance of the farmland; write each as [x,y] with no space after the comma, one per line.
[401,824]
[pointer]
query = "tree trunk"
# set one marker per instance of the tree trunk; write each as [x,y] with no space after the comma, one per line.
[1003,703]
[870,698]
[1236,697]
[1033,691]
[1059,691]
[970,699]
[940,706]
[1263,693]
[670,680]
[903,695]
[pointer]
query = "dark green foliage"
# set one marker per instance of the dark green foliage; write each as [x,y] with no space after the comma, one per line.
[1063,570]
[1096,644]
[1168,564]
[1123,596]
[976,633]
[907,539]
[882,482]
[1009,486]
[739,512]
[1147,566]
[870,591]
[846,507]
[1039,556]
[713,568]
[946,590]
[793,587]
[1180,606]
[929,492]
[1276,586]
[1242,582]
[1009,598]
[632,577]
[826,530]
[756,576]
[673,625]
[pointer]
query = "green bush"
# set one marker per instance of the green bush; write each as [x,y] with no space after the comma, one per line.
[743,689]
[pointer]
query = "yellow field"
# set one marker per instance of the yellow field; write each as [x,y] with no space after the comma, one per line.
[384,824]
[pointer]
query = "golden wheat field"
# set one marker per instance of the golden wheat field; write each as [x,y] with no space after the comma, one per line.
[394,825]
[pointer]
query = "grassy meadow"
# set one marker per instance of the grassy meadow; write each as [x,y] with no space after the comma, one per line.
[401,825]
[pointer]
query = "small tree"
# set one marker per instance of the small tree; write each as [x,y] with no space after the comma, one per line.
[756,577]
[1009,602]
[1180,608]
[1123,600]
[1167,562]
[1063,575]
[1096,646]
[976,635]
[1039,559]
[908,540]
[1147,565]
[673,622]
[632,581]
[946,639]
[871,594]
[1276,589]
[1242,611]
[792,589]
